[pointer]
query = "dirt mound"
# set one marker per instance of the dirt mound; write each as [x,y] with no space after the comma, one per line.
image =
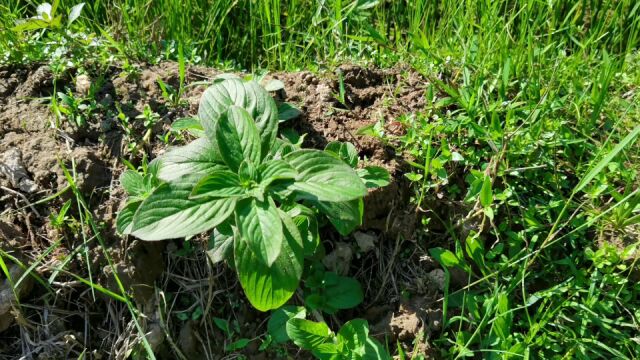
[39,151]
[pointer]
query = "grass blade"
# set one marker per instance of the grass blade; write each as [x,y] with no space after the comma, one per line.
[607,159]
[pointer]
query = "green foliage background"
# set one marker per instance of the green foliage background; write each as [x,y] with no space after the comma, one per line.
[304,33]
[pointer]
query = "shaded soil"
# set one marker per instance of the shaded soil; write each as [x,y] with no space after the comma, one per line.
[58,315]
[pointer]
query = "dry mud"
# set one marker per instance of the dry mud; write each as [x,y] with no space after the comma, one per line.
[59,316]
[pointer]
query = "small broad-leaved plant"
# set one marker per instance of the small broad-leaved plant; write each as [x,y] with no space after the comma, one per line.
[260,193]
[351,342]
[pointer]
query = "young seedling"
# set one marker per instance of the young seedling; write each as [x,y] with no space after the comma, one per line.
[351,342]
[76,109]
[59,219]
[341,95]
[149,119]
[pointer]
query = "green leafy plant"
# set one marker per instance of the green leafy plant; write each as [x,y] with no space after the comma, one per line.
[149,119]
[59,219]
[76,109]
[330,292]
[260,193]
[351,342]
[230,331]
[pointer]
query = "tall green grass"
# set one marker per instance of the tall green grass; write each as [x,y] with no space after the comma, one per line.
[302,33]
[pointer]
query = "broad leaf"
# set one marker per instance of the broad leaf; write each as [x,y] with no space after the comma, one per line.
[287,111]
[198,158]
[345,151]
[125,217]
[246,94]
[357,344]
[277,324]
[237,345]
[269,287]
[444,257]
[340,292]
[237,137]
[275,170]
[308,334]
[169,213]
[486,195]
[344,216]
[374,350]
[307,223]
[354,335]
[192,125]
[327,351]
[221,243]
[274,85]
[374,176]
[260,226]
[133,183]
[323,177]
[30,24]
[218,184]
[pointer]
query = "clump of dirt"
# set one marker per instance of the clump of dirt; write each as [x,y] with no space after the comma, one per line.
[44,146]
[19,108]
[412,322]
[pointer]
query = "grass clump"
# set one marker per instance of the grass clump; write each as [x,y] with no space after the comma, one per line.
[537,148]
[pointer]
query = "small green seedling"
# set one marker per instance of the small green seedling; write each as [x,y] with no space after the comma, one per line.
[58,220]
[171,95]
[149,119]
[341,95]
[135,143]
[230,334]
[77,110]
[351,342]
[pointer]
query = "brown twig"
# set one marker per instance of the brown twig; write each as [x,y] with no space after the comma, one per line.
[21,195]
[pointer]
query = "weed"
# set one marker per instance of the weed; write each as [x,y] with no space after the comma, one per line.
[261,194]
[501,149]
[76,110]
[59,220]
